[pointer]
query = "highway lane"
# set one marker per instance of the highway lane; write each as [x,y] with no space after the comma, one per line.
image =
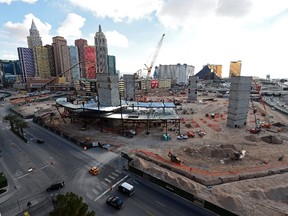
[59,159]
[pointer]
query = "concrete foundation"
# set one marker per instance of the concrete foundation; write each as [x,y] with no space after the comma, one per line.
[238,101]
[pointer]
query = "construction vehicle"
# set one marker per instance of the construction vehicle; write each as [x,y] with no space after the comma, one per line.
[267,123]
[190,134]
[174,158]
[154,57]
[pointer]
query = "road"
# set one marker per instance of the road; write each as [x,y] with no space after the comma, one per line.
[59,159]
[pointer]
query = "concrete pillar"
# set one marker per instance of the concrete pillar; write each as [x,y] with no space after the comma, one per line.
[129,87]
[238,101]
[108,89]
[192,88]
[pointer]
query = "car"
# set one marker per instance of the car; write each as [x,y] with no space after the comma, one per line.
[126,188]
[56,186]
[40,141]
[115,201]
[94,170]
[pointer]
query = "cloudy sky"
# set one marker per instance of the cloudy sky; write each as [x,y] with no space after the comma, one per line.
[197,32]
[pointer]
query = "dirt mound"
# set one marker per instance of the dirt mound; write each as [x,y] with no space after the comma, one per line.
[272,139]
[253,138]
[218,151]
[170,177]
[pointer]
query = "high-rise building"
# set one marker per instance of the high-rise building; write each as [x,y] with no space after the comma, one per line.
[217,69]
[235,68]
[34,38]
[9,71]
[90,62]
[27,63]
[41,57]
[179,74]
[61,57]
[74,60]
[81,43]
[101,51]
[51,59]
[111,64]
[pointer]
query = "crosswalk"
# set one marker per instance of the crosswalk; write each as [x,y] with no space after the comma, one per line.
[106,184]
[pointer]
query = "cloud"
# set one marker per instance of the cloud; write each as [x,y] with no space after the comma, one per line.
[25,1]
[116,39]
[71,27]
[233,8]
[119,11]
[20,30]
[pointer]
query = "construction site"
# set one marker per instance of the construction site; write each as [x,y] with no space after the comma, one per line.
[231,151]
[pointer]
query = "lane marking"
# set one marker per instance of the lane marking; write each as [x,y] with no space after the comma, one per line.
[107,180]
[95,191]
[44,166]
[160,204]
[23,175]
[118,171]
[110,176]
[89,196]
[109,188]
[115,174]
[104,183]
[99,187]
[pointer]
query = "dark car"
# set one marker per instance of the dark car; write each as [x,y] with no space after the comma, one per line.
[40,141]
[115,201]
[56,186]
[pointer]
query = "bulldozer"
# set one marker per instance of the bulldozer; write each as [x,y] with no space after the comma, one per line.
[174,158]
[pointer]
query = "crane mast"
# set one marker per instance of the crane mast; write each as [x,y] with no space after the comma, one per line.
[155,55]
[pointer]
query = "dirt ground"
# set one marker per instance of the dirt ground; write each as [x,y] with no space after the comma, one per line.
[257,184]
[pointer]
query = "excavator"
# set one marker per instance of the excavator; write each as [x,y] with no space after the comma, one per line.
[174,158]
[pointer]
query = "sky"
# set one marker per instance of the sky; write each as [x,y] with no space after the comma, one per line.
[197,32]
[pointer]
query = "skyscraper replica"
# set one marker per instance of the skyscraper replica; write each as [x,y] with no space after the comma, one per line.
[61,57]
[34,38]
[108,85]
[81,43]
[74,60]
[27,63]
[101,51]
[238,101]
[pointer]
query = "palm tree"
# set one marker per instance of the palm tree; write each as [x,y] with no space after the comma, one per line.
[11,118]
[20,124]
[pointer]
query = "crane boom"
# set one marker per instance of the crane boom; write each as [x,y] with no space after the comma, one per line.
[155,55]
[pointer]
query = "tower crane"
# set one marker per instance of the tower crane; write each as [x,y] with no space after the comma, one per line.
[154,57]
